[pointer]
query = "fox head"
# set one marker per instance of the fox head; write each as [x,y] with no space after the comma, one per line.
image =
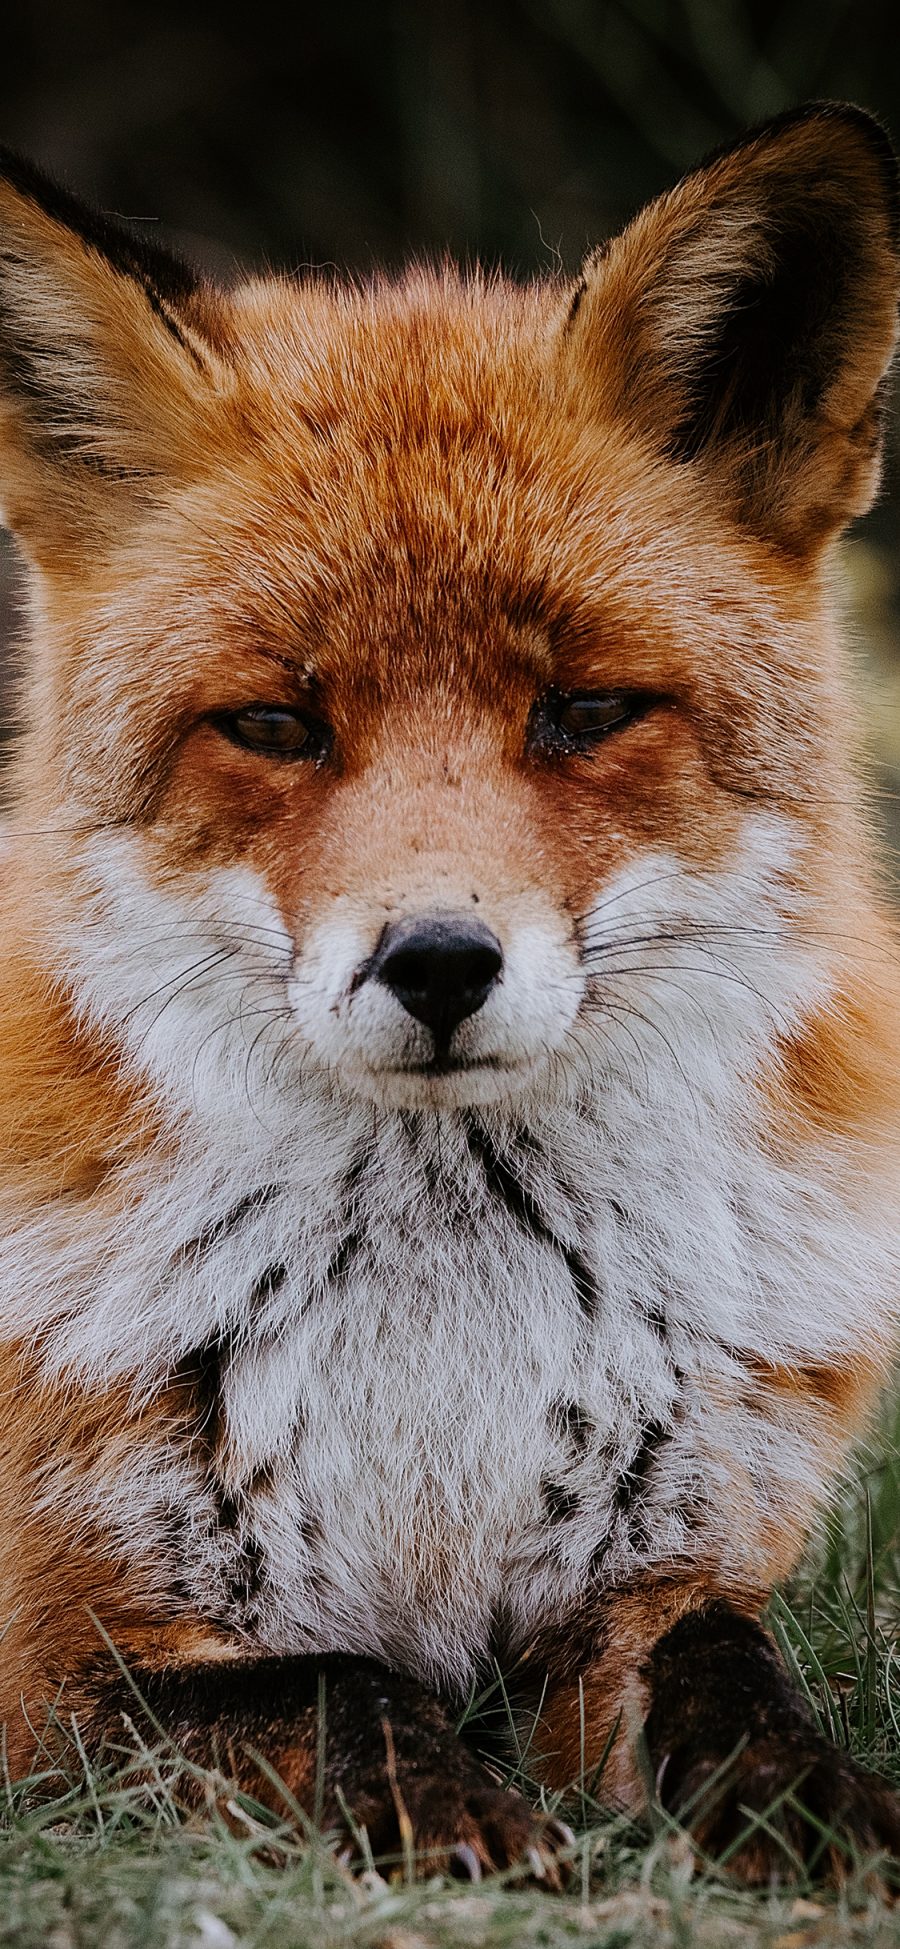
[417,667]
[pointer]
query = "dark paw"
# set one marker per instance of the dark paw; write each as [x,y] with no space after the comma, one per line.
[396,1769]
[737,1757]
[784,1806]
[462,1825]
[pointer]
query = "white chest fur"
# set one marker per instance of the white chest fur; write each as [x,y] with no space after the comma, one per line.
[453,1369]
[412,1436]
[449,1374]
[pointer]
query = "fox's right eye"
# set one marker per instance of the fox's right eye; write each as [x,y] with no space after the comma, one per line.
[276,731]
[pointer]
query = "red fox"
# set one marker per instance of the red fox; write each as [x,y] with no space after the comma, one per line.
[448,1029]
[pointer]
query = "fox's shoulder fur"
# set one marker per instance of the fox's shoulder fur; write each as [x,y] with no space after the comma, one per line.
[331,1324]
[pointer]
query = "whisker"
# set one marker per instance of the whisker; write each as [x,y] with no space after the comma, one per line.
[626,892]
[184,976]
[142,951]
[287,1047]
[587,1024]
[709,973]
[83,831]
[197,974]
[624,1004]
[241,1015]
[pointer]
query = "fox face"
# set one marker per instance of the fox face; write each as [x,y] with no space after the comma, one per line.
[423,799]
[421,662]
[426,807]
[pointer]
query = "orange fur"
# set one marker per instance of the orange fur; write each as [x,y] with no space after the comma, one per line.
[594,1704]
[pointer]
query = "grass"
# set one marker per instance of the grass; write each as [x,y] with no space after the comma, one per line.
[100,1867]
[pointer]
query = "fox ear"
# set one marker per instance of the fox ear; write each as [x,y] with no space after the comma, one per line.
[106,363]
[745,322]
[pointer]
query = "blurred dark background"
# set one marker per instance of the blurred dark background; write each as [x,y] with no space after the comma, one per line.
[364,131]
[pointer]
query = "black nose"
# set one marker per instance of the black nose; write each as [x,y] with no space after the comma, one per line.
[442,968]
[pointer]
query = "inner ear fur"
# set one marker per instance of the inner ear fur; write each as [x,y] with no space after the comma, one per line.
[108,356]
[744,323]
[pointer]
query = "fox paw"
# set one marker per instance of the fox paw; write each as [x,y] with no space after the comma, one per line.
[739,1760]
[785,1806]
[465,1826]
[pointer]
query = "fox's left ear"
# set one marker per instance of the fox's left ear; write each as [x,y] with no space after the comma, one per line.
[745,322]
[107,368]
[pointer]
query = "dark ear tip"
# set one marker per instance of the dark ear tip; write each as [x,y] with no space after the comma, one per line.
[838,115]
[125,247]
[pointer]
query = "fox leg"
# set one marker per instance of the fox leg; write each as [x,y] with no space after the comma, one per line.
[354,1743]
[685,1694]
[728,1736]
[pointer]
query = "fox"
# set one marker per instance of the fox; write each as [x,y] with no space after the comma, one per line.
[449,1089]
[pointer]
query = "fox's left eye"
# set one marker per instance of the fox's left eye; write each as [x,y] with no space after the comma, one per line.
[568,720]
[275,730]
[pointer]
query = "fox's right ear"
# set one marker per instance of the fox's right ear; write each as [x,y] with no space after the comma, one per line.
[107,368]
[744,323]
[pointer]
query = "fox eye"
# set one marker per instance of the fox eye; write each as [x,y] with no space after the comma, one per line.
[573,720]
[579,717]
[276,731]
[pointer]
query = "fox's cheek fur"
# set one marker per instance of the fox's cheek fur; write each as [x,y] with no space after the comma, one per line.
[215,995]
[219,1000]
[213,970]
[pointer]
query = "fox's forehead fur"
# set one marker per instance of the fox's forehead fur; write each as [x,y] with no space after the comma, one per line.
[405,500]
